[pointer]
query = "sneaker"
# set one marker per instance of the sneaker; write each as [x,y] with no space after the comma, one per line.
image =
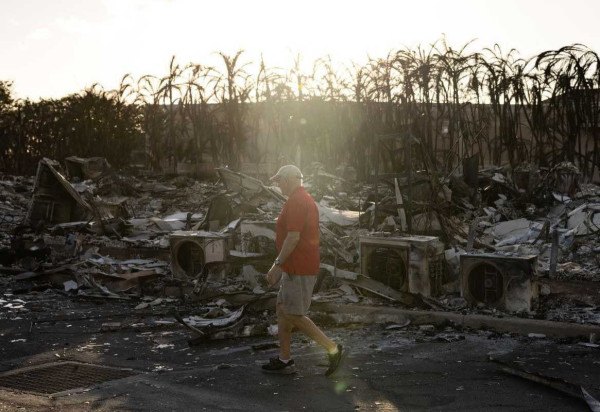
[275,365]
[335,360]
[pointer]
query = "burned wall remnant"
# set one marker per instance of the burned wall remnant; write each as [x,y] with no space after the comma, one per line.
[86,168]
[54,200]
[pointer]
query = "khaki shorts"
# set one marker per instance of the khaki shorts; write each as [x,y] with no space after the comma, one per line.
[295,293]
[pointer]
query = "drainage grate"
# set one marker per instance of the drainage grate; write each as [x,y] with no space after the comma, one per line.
[59,377]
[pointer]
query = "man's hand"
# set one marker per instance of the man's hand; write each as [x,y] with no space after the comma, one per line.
[274,275]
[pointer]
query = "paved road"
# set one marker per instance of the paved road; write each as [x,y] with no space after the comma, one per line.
[397,370]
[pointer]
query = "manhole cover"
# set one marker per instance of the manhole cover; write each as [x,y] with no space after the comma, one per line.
[60,376]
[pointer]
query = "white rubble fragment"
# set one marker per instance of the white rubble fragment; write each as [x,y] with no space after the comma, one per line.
[339,273]
[498,177]
[561,198]
[165,346]
[163,322]
[589,345]
[251,276]
[162,368]
[339,217]
[395,326]
[490,211]
[515,231]
[585,219]
[509,228]
[110,326]
[347,289]
[452,257]
[170,225]
[143,262]
[198,321]
[182,216]
[70,285]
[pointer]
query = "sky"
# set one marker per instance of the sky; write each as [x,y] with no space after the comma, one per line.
[52,48]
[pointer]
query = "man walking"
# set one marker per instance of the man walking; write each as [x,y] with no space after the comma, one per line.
[297,266]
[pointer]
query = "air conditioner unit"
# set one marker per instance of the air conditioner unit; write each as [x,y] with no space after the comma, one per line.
[408,264]
[502,282]
[191,251]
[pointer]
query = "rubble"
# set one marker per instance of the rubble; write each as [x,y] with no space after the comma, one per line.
[148,241]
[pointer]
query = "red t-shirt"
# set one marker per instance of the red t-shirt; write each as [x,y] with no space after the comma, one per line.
[300,214]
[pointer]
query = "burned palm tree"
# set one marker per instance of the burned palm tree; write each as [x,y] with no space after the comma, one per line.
[327,117]
[457,103]
[198,121]
[362,134]
[232,90]
[451,94]
[169,92]
[272,94]
[572,73]
[154,119]
[504,82]
[476,112]
[421,67]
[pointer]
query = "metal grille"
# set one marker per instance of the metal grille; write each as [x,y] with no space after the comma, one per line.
[59,377]
[486,283]
[190,257]
[436,275]
[387,265]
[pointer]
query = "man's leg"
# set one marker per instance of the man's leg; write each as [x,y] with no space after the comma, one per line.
[307,326]
[283,364]
[287,322]
[335,352]
[284,333]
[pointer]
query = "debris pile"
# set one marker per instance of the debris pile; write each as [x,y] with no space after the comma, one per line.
[491,240]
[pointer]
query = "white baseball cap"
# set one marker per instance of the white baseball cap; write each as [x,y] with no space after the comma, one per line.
[287,171]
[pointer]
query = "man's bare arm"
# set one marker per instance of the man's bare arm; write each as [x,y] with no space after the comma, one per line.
[289,244]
